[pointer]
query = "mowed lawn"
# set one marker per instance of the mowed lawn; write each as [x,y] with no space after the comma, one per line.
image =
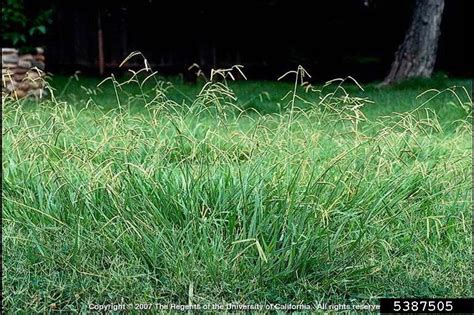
[234,193]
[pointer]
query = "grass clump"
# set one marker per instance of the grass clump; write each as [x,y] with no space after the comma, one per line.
[144,193]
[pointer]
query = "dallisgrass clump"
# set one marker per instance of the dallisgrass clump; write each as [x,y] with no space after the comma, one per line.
[205,201]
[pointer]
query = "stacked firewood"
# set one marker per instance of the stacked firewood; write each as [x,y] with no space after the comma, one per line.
[23,75]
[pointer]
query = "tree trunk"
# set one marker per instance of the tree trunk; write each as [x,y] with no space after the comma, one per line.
[416,56]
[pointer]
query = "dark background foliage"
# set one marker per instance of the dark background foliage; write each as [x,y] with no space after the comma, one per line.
[329,38]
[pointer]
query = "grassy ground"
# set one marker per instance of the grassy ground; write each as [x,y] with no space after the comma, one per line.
[175,193]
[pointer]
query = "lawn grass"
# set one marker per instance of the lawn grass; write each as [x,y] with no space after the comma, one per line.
[175,193]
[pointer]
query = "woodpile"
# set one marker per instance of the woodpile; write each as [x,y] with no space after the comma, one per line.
[23,75]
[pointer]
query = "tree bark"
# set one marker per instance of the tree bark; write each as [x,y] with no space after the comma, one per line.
[416,56]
